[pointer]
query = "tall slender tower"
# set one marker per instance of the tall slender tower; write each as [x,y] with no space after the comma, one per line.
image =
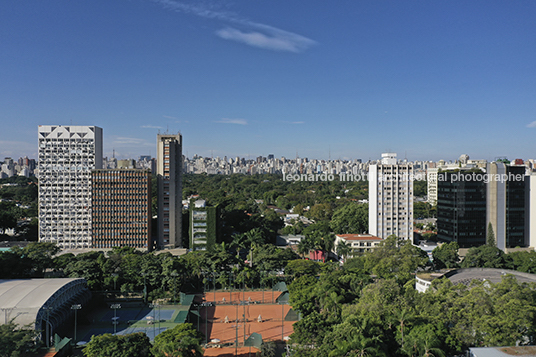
[67,154]
[169,173]
[391,198]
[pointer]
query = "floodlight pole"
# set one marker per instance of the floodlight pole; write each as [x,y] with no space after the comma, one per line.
[174,274]
[47,325]
[236,330]
[144,274]
[214,283]
[75,307]
[230,288]
[115,307]
[153,305]
[282,322]
[115,275]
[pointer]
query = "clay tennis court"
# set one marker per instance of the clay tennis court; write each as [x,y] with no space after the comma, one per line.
[243,313]
[258,296]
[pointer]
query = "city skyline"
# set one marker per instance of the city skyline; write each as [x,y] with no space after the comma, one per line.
[428,80]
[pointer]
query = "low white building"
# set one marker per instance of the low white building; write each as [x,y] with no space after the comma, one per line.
[359,243]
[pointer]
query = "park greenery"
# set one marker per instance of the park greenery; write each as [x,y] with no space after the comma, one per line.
[16,341]
[368,306]
[18,207]
[181,341]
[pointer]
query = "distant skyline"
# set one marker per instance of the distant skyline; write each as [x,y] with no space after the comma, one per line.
[349,79]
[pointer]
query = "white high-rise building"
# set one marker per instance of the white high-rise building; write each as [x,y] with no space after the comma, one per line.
[391,198]
[67,154]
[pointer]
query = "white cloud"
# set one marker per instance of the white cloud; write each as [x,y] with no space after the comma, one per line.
[274,39]
[124,141]
[169,117]
[293,122]
[264,36]
[151,127]
[532,125]
[233,121]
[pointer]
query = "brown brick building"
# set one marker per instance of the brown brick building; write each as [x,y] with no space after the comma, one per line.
[121,208]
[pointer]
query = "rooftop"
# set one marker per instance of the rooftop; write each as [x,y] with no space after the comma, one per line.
[358,237]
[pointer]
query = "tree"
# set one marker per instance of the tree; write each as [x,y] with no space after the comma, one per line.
[484,256]
[446,255]
[320,212]
[41,254]
[301,267]
[351,218]
[181,341]
[17,342]
[108,345]
[490,236]
[268,349]
[343,249]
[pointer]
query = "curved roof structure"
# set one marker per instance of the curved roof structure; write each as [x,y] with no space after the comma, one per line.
[465,276]
[42,304]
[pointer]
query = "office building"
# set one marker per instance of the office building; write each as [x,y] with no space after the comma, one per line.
[461,207]
[431,185]
[203,226]
[391,198]
[169,175]
[67,154]
[506,206]
[121,212]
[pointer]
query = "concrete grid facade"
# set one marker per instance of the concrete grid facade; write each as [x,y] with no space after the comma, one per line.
[391,198]
[121,213]
[67,154]
[169,175]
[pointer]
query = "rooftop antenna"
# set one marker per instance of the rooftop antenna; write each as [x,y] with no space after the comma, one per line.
[113,154]
[329,153]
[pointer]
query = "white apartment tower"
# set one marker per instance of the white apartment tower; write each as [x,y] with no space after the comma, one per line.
[67,154]
[391,198]
[169,174]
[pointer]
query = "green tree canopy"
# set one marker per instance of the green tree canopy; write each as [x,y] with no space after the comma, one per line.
[181,341]
[484,256]
[351,218]
[446,255]
[108,345]
[16,342]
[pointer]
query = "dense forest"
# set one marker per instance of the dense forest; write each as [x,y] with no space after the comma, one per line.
[368,305]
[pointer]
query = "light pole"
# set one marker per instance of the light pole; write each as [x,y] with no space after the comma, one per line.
[48,326]
[115,275]
[174,274]
[114,322]
[153,306]
[205,305]
[75,307]
[214,283]
[282,321]
[144,274]
[236,328]
[6,311]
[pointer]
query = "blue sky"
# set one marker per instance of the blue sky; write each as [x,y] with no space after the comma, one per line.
[430,79]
